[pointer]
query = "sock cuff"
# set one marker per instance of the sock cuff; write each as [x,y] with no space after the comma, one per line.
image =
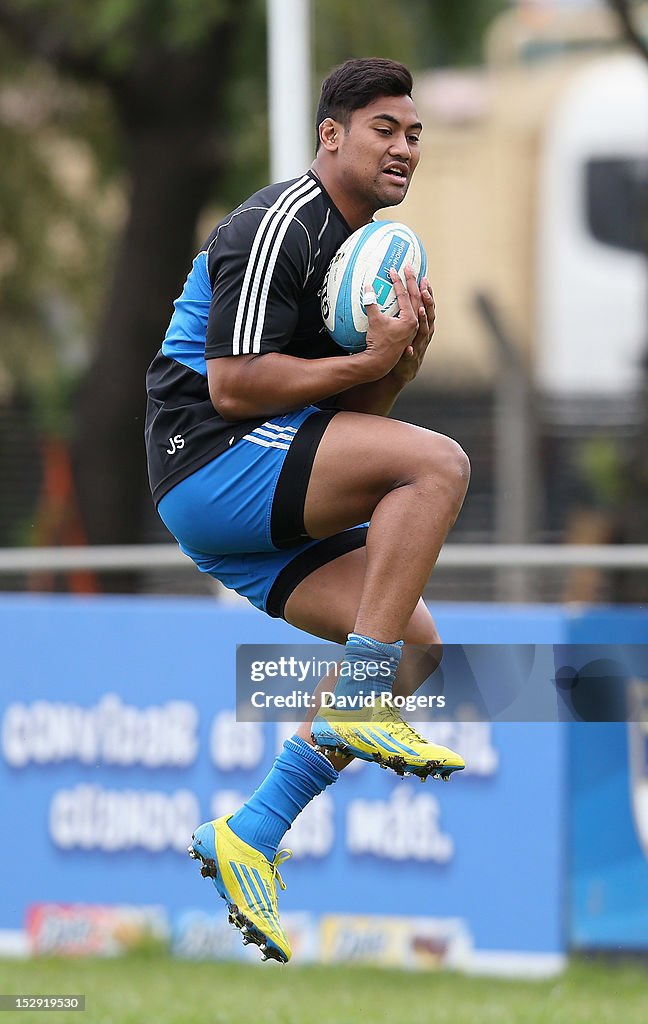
[318,761]
[384,650]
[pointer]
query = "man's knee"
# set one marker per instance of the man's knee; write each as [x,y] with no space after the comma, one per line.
[443,460]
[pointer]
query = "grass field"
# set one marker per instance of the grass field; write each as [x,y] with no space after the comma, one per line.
[165,991]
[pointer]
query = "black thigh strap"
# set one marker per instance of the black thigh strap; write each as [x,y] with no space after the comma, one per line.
[307,562]
[287,517]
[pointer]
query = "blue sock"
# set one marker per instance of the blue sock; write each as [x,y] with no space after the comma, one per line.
[298,775]
[369,666]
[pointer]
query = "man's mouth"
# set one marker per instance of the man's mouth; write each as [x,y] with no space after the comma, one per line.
[396,173]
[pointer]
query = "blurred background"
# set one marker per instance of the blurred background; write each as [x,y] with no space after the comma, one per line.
[122,147]
[127,129]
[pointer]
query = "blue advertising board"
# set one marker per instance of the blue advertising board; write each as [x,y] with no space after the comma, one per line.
[609,835]
[118,735]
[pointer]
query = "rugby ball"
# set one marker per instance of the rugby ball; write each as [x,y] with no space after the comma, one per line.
[363,263]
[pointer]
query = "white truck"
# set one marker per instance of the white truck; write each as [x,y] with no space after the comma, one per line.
[532,189]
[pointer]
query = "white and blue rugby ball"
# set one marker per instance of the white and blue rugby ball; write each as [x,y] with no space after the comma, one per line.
[363,263]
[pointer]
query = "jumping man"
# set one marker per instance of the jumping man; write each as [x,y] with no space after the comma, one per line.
[270,450]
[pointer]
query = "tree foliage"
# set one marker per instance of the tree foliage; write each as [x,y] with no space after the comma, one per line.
[57,211]
[423,33]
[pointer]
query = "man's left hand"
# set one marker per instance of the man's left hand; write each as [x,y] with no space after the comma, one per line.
[409,364]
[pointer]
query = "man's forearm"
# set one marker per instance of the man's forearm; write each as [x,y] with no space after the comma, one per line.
[242,387]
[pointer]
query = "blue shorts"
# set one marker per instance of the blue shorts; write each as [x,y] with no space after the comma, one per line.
[240,517]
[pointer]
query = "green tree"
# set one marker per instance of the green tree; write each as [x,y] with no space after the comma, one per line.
[164,68]
[423,33]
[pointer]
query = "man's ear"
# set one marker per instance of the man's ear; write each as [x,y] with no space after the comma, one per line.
[329,133]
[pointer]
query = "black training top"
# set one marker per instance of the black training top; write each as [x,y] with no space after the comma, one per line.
[253,288]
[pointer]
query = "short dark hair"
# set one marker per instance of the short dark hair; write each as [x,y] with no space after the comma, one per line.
[356,84]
